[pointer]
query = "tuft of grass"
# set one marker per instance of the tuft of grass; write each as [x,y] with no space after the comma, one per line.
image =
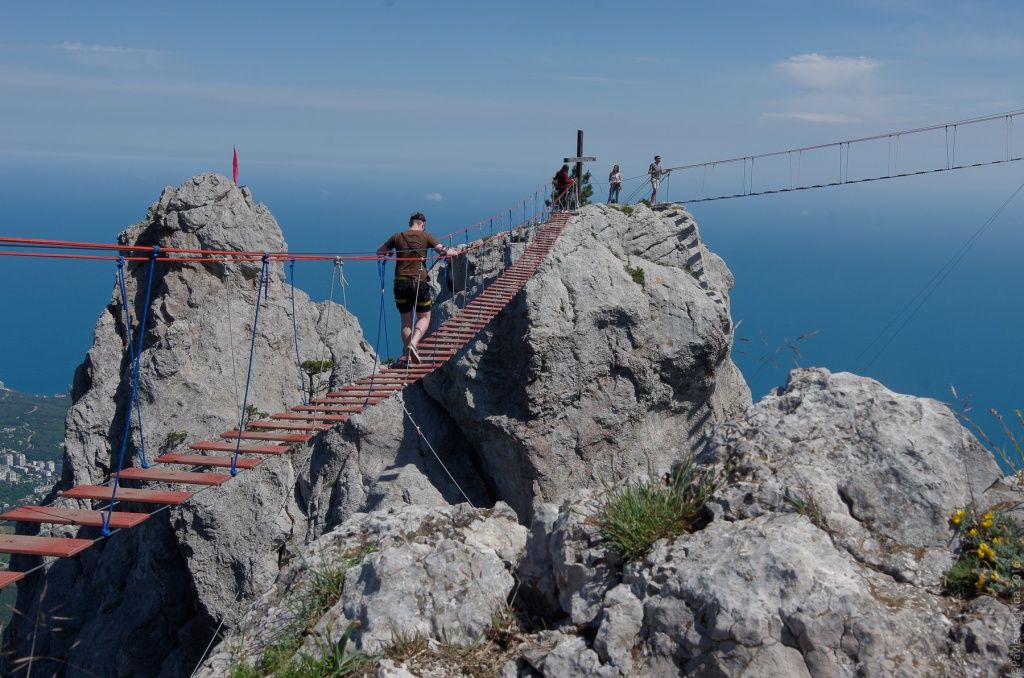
[333,659]
[637,274]
[278,658]
[635,516]
[625,209]
[991,554]
[808,508]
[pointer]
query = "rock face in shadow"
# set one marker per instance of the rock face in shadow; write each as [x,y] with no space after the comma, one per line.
[612,361]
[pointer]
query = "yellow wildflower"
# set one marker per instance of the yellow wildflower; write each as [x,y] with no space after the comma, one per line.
[995,576]
[957,517]
[985,552]
[998,541]
[982,578]
[986,522]
[973,532]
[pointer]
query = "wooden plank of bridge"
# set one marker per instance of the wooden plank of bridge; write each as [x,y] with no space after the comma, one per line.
[215,461]
[55,547]
[260,435]
[56,515]
[160,475]
[277,425]
[7,577]
[129,494]
[218,446]
[309,416]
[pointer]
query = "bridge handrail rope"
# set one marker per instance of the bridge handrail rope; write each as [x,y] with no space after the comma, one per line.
[131,358]
[126,431]
[261,289]
[295,336]
[1008,115]
[195,255]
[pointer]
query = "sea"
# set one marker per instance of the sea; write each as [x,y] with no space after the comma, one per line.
[915,282]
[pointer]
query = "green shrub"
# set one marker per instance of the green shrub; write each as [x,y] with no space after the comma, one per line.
[633,517]
[990,556]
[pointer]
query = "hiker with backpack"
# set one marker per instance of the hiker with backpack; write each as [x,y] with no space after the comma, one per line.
[412,280]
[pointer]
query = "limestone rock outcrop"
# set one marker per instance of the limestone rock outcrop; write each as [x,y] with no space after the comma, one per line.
[790,577]
[410,572]
[613,360]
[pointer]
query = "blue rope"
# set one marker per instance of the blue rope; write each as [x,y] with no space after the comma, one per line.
[381,269]
[295,334]
[105,527]
[264,284]
[131,356]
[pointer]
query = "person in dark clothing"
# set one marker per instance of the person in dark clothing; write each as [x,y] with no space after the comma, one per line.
[412,282]
[562,181]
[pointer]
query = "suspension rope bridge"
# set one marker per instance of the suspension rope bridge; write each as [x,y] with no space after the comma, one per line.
[245,447]
[960,144]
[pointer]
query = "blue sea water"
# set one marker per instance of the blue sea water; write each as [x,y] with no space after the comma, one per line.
[838,264]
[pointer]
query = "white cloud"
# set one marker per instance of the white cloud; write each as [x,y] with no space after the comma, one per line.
[110,56]
[823,72]
[433,197]
[818,118]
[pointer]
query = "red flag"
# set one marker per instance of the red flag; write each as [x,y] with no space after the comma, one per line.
[234,165]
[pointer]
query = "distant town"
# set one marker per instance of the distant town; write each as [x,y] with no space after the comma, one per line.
[31,445]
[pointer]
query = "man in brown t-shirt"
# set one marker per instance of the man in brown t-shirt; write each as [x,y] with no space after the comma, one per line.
[412,282]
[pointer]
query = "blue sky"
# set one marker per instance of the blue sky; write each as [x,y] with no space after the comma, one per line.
[474,87]
[348,116]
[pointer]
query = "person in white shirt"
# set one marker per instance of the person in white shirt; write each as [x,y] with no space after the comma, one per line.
[614,185]
[655,171]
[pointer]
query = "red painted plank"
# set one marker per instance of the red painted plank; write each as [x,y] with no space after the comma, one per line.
[310,416]
[55,515]
[58,547]
[308,428]
[160,475]
[129,494]
[260,435]
[7,577]
[345,400]
[218,446]
[327,408]
[206,460]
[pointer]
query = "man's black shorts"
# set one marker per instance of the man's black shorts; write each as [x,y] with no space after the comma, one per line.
[409,292]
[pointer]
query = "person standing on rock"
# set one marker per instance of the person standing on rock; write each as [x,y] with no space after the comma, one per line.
[412,281]
[656,174]
[614,185]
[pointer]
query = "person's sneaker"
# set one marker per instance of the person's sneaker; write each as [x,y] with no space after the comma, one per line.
[414,355]
[399,364]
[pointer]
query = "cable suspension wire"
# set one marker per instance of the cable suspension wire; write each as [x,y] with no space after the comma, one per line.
[907,313]
[126,431]
[131,358]
[264,284]
[295,336]
[844,148]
